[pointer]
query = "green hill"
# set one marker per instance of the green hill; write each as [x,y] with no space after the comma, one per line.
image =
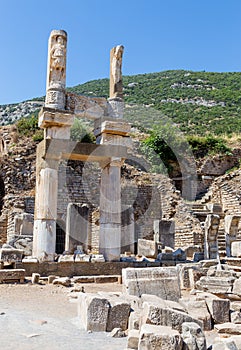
[197,102]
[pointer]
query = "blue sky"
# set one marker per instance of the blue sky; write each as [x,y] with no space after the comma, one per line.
[157,35]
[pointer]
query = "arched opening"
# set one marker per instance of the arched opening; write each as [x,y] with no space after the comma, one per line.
[60,237]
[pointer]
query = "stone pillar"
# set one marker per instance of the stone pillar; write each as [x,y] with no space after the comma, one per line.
[112,129]
[211,226]
[45,215]
[231,226]
[110,211]
[56,123]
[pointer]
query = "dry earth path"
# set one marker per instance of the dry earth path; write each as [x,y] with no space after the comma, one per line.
[34,317]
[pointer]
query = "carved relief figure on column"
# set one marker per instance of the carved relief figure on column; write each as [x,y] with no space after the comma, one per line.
[58,60]
[116,72]
[56,76]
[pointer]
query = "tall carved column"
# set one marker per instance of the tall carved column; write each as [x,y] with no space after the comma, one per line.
[56,122]
[111,129]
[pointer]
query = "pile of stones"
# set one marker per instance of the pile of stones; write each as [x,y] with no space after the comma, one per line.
[157,311]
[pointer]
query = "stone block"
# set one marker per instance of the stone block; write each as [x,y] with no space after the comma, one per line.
[97,258]
[35,278]
[236,249]
[118,316]
[147,248]
[193,337]
[198,310]
[11,255]
[160,281]
[228,328]
[7,275]
[93,312]
[216,285]
[156,314]
[219,309]
[63,281]
[134,320]
[159,338]
[133,339]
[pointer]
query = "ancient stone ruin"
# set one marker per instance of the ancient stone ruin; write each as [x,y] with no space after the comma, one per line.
[84,214]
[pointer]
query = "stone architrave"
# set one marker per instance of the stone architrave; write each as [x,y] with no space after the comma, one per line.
[211,226]
[77,227]
[116,89]
[164,232]
[231,225]
[56,75]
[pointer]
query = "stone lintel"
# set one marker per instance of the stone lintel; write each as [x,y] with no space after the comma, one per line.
[57,149]
[49,117]
[86,107]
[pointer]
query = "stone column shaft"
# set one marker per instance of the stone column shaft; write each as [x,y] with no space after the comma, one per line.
[110,212]
[45,212]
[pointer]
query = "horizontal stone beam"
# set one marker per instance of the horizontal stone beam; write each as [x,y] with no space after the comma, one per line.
[86,107]
[57,149]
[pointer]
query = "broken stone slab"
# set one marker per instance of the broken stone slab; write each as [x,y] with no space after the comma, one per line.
[133,339]
[147,248]
[160,338]
[228,328]
[156,314]
[7,275]
[198,310]
[93,310]
[216,285]
[106,279]
[193,337]
[10,255]
[63,281]
[160,281]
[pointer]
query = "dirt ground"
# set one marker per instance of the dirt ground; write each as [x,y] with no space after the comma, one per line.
[42,317]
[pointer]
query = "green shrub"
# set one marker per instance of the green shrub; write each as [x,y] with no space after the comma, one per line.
[80,132]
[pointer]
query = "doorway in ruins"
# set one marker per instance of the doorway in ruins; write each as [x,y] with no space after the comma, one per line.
[60,237]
